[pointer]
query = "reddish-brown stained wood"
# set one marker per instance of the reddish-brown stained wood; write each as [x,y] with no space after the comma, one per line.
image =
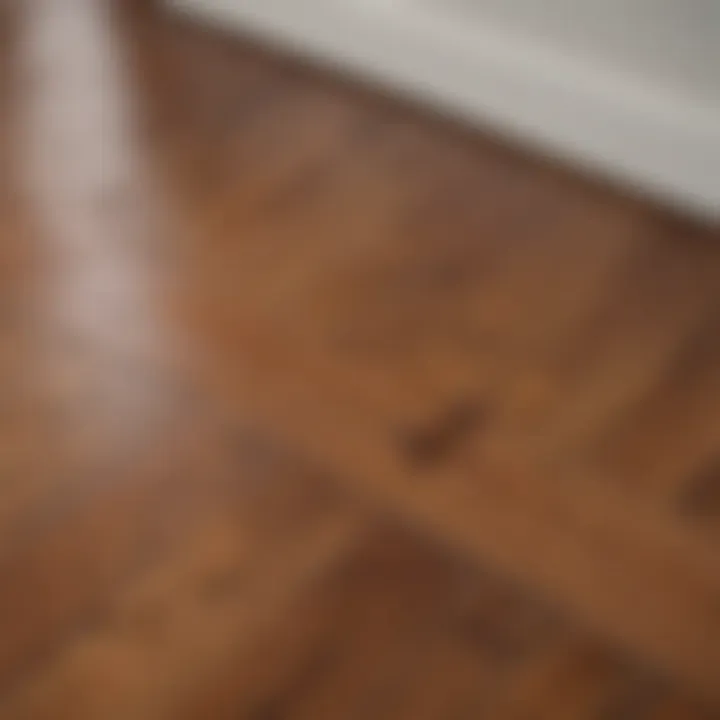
[313,406]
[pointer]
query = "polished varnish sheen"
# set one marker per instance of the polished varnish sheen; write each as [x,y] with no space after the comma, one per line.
[315,407]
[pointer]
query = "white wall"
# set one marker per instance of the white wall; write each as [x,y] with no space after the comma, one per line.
[674,44]
[623,88]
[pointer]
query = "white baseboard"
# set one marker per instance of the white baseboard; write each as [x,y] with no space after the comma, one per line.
[664,146]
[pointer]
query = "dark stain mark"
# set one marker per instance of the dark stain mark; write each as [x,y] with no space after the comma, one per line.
[433,444]
[700,498]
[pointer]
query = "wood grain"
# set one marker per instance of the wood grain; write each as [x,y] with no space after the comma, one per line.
[314,406]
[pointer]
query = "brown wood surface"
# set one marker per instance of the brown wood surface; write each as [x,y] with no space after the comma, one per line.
[313,406]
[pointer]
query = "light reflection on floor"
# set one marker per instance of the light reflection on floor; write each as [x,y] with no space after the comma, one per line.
[97,309]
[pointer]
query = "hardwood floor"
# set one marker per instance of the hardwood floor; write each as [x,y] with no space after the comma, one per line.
[312,406]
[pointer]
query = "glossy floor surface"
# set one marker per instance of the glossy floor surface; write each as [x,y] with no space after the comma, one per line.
[314,407]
